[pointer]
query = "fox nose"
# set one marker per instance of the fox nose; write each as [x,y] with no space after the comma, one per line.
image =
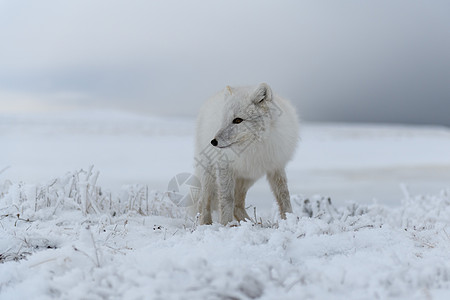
[214,142]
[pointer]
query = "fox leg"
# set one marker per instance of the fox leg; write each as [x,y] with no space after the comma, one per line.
[278,184]
[242,186]
[208,192]
[226,183]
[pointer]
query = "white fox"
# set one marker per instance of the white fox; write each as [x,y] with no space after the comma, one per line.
[242,134]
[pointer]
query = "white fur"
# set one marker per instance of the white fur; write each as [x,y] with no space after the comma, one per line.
[262,144]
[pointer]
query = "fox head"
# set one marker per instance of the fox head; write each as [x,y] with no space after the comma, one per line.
[247,117]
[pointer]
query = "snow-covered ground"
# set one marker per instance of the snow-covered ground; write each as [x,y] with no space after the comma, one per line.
[71,231]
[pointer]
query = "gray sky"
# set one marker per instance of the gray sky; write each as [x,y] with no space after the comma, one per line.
[369,61]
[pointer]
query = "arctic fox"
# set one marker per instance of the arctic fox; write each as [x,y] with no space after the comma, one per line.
[242,134]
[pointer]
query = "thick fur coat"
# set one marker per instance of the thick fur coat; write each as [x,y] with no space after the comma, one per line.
[243,133]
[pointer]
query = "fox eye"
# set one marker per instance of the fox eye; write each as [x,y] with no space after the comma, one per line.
[237,121]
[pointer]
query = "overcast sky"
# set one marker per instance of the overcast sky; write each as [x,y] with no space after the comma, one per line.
[370,61]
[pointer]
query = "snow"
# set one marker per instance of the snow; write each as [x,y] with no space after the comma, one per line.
[110,231]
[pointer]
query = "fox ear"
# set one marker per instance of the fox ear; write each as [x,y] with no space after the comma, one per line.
[262,93]
[229,90]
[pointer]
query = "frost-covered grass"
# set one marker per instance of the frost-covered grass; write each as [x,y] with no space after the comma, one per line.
[67,239]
